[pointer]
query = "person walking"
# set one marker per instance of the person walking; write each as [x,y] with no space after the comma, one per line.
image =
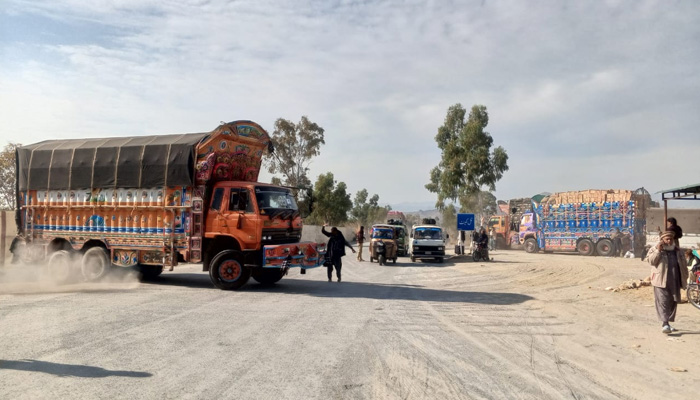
[669,274]
[672,225]
[492,238]
[335,250]
[360,241]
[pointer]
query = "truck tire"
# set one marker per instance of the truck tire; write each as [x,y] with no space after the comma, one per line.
[227,271]
[149,272]
[60,266]
[585,247]
[604,247]
[531,245]
[267,276]
[95,263]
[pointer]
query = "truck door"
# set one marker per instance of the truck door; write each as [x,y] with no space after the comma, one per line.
[215,220]
[240,217]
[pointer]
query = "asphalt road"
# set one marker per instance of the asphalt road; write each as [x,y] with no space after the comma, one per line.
[457,330]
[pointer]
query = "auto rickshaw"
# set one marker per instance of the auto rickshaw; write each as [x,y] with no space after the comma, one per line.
[383,246]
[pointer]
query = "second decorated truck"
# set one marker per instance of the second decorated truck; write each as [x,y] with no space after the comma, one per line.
[585,221]
[150,202]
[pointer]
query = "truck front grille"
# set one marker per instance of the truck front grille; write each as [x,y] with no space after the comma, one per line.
[280,236]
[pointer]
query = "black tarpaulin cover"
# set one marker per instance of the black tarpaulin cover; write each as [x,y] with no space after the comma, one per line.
[145,161]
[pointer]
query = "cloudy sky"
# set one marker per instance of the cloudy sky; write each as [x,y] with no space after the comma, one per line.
[581,94]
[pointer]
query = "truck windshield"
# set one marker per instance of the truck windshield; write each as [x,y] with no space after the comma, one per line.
[428,233]
[274,198]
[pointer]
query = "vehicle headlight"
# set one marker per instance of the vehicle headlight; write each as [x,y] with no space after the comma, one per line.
[441,248]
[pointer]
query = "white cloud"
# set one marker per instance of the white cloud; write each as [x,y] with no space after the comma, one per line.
[570,87]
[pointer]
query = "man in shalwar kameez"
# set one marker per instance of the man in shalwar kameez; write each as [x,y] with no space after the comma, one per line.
[669,274]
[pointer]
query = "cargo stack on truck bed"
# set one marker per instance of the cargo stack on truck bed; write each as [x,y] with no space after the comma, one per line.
[150,202]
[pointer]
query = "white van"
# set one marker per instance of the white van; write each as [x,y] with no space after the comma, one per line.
[427,242]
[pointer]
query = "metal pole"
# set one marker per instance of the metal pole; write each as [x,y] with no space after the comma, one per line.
[665,214]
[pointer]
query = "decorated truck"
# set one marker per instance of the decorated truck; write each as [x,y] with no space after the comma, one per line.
[507,225]
[585,221]
[88,205]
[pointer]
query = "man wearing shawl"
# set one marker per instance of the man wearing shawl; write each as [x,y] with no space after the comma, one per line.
[669,275]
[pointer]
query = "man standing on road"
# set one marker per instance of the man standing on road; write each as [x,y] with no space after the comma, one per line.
[360,240]
[669,275]
[492,238]
[336,250]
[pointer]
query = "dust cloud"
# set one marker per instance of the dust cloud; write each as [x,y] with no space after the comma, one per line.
[35,277]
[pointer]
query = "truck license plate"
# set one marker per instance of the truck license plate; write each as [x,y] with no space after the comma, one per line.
[428,252]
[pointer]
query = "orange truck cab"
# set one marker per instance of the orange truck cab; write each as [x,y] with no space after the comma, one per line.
[88,205]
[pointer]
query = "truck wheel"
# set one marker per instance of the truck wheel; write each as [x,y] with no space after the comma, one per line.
[585,247]
[95,263]
[60,269]
[149,272]
[267,276]
[604,247]
[381,260]
[227,271]
[531,245]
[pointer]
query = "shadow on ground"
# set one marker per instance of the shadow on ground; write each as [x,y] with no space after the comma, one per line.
[58,369]
[347,289]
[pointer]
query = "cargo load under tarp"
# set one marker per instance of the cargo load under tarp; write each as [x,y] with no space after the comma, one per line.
[232,151]
[146,161]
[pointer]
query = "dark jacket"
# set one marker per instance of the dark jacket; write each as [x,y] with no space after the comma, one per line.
[336,244]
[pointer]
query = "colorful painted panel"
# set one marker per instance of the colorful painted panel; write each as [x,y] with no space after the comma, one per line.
[304,255]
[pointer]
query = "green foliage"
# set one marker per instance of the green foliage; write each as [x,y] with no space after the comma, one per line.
[467,164]
[449,220]
[8,195]
[482,204]
[366,212]
[295,145]
[331,201]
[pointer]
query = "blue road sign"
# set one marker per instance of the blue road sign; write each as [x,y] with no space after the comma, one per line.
[465,222]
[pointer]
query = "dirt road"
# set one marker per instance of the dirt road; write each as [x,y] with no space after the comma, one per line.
[527,326]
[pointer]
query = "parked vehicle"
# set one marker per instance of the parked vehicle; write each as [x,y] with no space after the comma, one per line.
[427,241]
[150,202]
[480,253]
[507,226]
[585,221]
[401,236]
[693,290]
[382,245]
